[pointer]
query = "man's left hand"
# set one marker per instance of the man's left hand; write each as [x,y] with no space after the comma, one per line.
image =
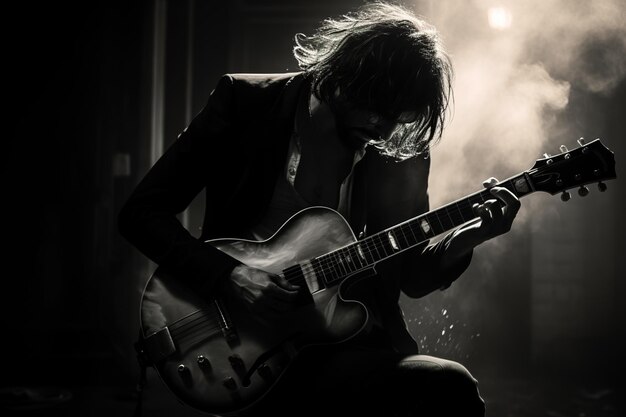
[496,214]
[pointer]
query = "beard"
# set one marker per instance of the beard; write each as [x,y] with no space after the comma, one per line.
[354,138]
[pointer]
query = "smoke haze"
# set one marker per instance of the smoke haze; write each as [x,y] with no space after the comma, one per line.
[513,88]
[512,84]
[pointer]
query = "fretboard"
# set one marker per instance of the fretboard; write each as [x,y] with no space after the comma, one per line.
[334,266]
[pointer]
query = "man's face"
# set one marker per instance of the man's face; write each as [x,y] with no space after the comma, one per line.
[359,127]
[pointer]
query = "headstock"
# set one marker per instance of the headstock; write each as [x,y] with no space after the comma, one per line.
[589,163]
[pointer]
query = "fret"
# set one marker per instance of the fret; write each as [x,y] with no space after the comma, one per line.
[415,230]
[394,243]
[319,270]
[356,257]
[407,235]
[446,221]
[336,269]
[423,226]
[340,267]
[475,199]
[359,255]
[404,237]
[347,258]
[437,227]
[371,249]
[456,205]
[383,244]
[411,229]
[374,246]
[469,212]
[331,267]
[401,238]
[367,251]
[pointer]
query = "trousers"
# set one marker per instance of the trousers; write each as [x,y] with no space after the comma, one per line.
[361,381]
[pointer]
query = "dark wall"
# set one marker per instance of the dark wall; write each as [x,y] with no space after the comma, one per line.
[74,101]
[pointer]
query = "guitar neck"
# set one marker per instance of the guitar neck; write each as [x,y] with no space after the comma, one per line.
[382,245]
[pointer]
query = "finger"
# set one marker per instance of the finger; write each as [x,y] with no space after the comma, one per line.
[509,199]
[481,211]
[282,282]
[490,182]
[495,210]
[278,293]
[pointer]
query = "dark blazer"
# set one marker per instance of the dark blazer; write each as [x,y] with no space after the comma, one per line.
[235,148]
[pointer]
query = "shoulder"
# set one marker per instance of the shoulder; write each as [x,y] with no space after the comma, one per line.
[260,81]
[259,85]
[255,95]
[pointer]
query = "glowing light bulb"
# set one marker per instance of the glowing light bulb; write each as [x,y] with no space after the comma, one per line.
[500,18]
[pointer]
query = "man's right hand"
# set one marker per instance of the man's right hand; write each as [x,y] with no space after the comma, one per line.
[266,294]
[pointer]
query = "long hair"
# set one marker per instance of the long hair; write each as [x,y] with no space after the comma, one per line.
[382,58]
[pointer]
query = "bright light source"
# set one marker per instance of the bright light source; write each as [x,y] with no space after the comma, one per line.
[500,18]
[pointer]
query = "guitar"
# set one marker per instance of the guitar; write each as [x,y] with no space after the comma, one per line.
[217,358]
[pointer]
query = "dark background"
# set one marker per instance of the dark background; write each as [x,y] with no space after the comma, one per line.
[90,93]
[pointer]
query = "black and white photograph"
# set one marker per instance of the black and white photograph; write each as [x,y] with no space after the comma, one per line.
[331,208]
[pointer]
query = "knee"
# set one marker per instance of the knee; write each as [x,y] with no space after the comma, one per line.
[449,370]
[453,384]
[458,374]
[462,385]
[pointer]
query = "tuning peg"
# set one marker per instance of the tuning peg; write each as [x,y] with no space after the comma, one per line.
[547,156]
[565,196]
[602,186]
[581,141]
[583,191]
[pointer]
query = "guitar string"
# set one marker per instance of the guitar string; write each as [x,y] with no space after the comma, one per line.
[370,247]
[366,245]
[191,331]
[186,324]
[330,266]
[333,267]
[212,329]
[180,321]
[206,316]
[189,325]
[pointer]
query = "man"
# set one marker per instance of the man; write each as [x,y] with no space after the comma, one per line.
[350,132]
